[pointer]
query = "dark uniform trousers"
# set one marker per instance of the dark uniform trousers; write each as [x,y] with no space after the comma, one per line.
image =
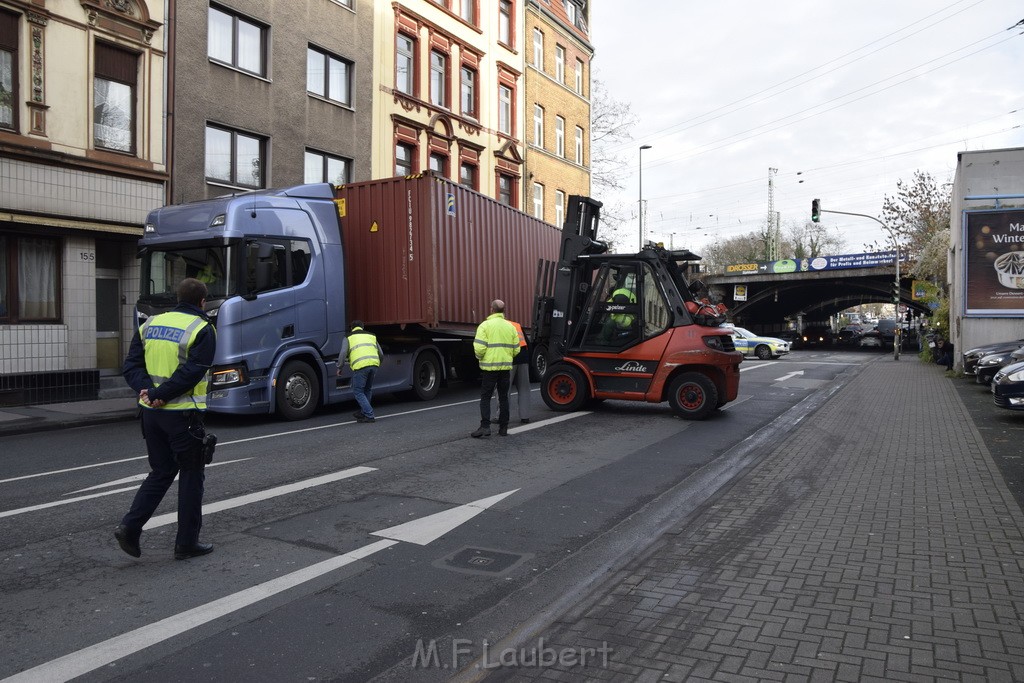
[489,380]
[167,435]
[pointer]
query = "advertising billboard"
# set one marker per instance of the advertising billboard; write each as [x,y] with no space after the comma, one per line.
[994,263]
[868,260]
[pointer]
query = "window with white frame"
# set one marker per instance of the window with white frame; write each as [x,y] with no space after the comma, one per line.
[579,76]
[405,159]
[237,41]
[328,76]
[405,64]
[559,208]
[560,136]
[9,104]
[467,91]
[538,125]
[538,49]
[115,73]
[538,201]
[560,64]
[467,10]
[505,109]
[579,145]
[438,78]
[505,22]
[321,167]
[235,158]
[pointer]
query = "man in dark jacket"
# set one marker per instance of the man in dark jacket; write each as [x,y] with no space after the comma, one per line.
[167,364]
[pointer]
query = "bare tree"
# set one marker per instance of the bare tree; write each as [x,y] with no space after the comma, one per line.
[918,216]
[810,240]
[611,125]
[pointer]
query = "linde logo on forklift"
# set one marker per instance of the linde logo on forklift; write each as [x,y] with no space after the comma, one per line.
[631,366]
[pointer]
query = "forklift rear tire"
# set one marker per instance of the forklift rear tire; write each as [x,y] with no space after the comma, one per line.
[564,388]
[693,396]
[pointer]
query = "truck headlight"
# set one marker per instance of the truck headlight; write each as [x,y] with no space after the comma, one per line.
[223,378]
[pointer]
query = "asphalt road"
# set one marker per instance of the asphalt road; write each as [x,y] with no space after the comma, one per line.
[345,548]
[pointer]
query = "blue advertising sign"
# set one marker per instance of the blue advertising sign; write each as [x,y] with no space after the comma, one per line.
[818,263]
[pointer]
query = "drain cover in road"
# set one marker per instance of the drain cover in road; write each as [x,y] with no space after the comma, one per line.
[480,561]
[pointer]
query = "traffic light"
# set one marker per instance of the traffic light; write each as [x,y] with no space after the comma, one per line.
[896,291]
[815,210]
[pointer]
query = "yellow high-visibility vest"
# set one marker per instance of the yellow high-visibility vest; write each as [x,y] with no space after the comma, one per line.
[166,339]
[362,350]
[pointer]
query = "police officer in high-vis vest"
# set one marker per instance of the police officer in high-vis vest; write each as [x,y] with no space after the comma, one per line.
[168,365]
[362,353]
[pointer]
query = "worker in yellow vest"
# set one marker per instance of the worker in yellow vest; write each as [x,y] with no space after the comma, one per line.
[362,353]
[167,365]
[495,345]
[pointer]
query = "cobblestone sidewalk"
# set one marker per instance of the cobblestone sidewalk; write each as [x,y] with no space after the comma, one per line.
[878,541]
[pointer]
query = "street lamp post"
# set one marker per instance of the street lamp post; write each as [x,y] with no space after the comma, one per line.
[641,202]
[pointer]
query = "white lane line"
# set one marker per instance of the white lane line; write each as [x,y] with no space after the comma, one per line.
[70,469]
[162,520]
[140,477]
[544,423]
[765,364]
[172,517]
[91,658]
[66,501]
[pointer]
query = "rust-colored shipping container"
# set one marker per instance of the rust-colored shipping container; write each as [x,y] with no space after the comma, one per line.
[425,250]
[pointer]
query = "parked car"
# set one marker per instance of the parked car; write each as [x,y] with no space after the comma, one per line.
[764,348]
[1008,387]
[989,365]
[870,340]
[973,355]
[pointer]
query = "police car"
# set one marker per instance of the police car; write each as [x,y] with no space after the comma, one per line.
[751,344]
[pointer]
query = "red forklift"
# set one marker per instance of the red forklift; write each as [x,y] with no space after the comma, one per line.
[628,326]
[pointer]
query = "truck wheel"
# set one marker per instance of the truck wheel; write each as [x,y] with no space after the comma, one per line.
[426,377]
[692,396]
[538,362]
[763,352]
[298,390]
[564,388]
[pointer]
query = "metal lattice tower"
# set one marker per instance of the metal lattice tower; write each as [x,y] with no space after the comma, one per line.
[772,225]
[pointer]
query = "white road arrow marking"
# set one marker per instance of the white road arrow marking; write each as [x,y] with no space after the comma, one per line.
[83,661]
[790,375]
[140,477]
[423,531]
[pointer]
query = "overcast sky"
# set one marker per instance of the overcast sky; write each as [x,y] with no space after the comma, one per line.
[848,97]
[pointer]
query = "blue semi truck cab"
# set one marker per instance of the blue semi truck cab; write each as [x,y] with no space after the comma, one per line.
[275,266]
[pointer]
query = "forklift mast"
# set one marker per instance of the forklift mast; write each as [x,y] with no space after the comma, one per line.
[557,303]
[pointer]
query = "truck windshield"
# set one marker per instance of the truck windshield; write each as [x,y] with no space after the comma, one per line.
[162,270]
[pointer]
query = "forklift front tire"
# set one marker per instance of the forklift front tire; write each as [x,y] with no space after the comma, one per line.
[692,395]
[564,388]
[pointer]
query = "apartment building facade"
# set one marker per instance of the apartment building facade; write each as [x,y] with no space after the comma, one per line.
[449,93]
[268,94]
[81,163]
[557,102]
